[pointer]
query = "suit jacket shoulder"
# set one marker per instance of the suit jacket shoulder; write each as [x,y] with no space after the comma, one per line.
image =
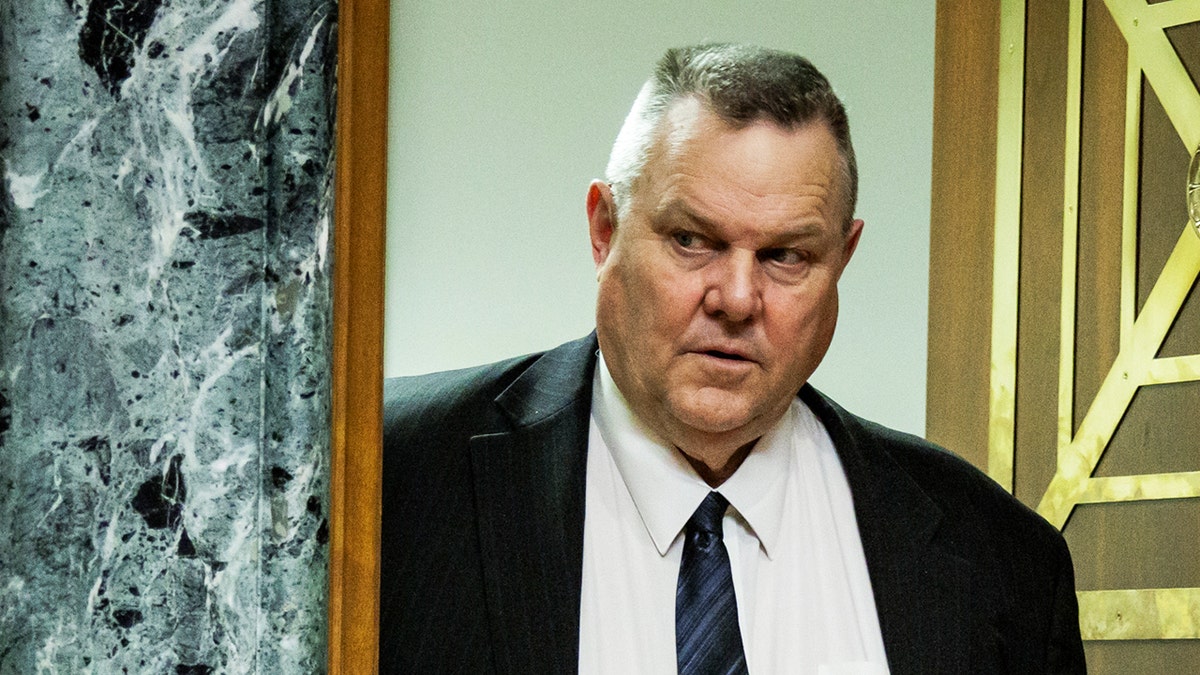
[421,404]
[966,578]
[958,491]
[482,539]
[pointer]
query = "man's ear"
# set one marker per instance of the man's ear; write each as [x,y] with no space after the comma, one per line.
[852,236]
[602,220]
[850,243]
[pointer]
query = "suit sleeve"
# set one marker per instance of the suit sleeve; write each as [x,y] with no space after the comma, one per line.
[1065,652]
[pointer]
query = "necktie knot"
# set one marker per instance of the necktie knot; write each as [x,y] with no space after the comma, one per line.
[708,515]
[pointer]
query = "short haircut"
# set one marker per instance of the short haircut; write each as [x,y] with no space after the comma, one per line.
[741,84]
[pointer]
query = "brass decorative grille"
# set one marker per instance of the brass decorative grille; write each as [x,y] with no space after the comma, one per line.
[1125,614]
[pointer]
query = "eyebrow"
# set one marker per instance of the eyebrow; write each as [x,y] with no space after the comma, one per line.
[681,208]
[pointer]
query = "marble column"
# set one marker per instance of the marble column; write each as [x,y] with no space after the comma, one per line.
[164,334]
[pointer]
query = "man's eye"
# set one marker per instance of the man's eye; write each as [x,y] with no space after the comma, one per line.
[686,239]
[784,256]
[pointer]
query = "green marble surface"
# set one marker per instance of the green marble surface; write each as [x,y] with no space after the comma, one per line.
[164,335]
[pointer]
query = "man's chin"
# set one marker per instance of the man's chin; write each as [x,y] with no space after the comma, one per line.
[716,416]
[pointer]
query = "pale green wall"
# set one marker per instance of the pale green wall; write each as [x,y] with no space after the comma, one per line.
[501,112]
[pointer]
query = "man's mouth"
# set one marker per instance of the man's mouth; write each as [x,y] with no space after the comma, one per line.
[725,355]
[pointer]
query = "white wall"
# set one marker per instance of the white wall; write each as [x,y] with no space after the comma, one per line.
[502,112]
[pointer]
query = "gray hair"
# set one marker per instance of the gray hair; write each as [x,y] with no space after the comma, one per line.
[741,84]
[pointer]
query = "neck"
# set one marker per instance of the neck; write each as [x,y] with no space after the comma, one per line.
[716,468]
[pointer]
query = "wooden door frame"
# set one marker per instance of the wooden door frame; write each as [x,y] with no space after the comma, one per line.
[360,204]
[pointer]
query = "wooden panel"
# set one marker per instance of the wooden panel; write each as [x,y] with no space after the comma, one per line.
[1041,247]
[357,409]
[1149,544]
[1144,444]
[1157,657]
[964,176]
[1102,161]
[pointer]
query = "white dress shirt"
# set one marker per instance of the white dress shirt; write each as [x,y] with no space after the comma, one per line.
[804,597]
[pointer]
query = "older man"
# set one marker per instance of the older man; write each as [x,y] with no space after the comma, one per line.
[668,494]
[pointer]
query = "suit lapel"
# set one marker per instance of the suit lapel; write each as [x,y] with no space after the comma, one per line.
[529,488]
[922,592]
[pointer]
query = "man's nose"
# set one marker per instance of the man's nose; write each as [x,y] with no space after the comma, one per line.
[733,290]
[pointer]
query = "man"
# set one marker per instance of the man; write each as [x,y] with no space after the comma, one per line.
[669,493]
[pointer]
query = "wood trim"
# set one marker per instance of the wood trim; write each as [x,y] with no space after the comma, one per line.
[962,218]
[358,283]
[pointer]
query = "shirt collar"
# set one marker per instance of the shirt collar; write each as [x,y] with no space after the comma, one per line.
[666,490]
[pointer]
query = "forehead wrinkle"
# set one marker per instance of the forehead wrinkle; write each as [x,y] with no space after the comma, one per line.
[808,191]
[789,230]
[779,190]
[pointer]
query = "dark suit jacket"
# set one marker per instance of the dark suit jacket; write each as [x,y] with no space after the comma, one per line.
[483,515]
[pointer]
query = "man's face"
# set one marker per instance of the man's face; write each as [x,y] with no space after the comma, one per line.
[718,289]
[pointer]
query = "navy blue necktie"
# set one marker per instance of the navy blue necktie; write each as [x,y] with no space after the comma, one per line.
[707,638]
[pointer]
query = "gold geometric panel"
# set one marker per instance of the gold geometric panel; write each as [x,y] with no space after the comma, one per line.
[1144,614]
[1086,428]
